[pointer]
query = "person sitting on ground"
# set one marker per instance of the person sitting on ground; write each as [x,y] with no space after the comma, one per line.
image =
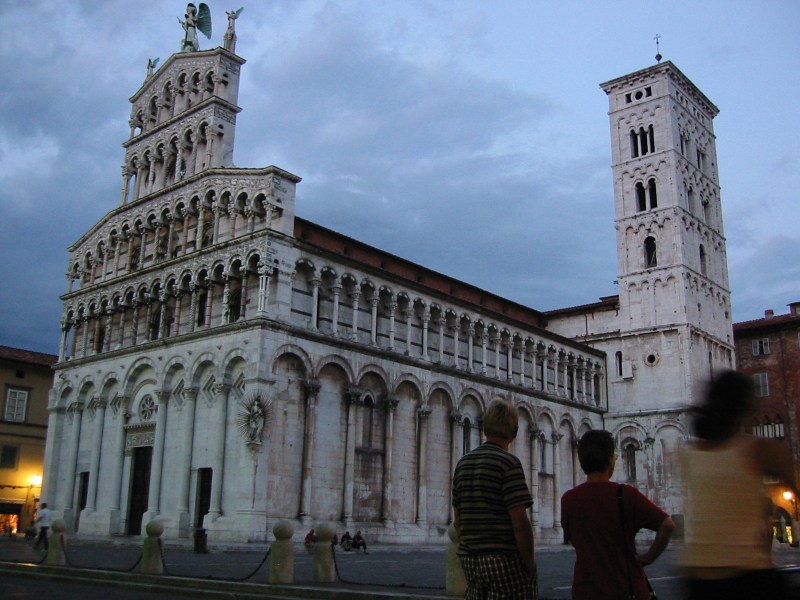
[311,538]
[358,542]
[347,541]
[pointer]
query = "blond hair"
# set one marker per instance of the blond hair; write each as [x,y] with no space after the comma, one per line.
[501,420]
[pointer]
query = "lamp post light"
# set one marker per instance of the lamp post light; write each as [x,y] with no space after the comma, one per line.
[790,496]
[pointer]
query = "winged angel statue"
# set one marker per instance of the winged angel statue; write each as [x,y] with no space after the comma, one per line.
[196,18]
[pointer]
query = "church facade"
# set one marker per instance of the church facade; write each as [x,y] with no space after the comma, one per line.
[226,364]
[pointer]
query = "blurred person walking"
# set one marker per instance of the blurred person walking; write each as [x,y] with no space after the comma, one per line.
[728,551]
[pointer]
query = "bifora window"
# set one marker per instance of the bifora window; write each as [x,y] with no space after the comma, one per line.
[16,405]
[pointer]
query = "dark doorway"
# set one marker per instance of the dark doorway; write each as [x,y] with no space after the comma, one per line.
[83,494]
[140,488]
[203,496]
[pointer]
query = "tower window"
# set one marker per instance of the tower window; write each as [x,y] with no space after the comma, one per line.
[650,254]
[641,200]
[702,260]
[651,192]
[643,141]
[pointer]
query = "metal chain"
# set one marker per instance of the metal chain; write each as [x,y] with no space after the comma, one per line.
[387,585]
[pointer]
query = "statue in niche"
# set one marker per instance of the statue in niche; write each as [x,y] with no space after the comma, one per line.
[196,19]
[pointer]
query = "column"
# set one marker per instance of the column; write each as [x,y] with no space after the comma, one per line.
[426,317]
[456,332]
[311,388]
[576,464]
[264,272]
[75,411]
[352,398]
[373,332]
[85,336]
[218,454]
[392,310]
[216,210]
[226,297]
[98,405]
[456,445]
[62,345]
[407,314]
[209,303]
[185,460]
[470,339]
[336,288]
[496,340]
[484,343]
[314,302]
[171,232]
[536,438]
[510,359]
[120,405]
[176,322]
[109,324]
[243,281]
[156,468]
[423,412]
[556,481]
[201,227]
[523,353]
[386,508]
[354,333]
[442,324]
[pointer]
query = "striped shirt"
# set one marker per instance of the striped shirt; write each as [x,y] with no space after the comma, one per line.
[487,484]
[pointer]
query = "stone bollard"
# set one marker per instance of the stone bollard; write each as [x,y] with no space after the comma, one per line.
[455,580]
[152,562]
[281,555]
[56,554]
[324,567]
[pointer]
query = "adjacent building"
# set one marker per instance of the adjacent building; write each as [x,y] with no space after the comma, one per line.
[768,349]
[26,378]
[225,363]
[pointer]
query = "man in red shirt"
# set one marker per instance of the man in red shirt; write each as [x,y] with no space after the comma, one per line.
[601,519]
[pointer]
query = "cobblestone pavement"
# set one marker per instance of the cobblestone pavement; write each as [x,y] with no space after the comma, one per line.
[400,570]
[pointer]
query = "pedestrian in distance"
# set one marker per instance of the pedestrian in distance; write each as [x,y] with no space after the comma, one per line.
[728,550]
[44,519]
[490,505]
[601,519]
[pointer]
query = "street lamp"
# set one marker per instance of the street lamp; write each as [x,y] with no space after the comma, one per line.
[790,496]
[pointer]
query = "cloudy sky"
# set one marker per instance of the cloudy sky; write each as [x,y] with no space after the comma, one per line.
[468,136]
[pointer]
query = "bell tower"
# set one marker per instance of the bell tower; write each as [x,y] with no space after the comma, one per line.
[183,121]
[674,297]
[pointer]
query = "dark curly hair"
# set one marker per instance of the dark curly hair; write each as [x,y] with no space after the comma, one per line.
[728,400]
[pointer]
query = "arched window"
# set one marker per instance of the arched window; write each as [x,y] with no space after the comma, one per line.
[641,200]
[467,441]
[618,362]
[629,456]
[702,259]
[650,254]
[366,431]
[651,192]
